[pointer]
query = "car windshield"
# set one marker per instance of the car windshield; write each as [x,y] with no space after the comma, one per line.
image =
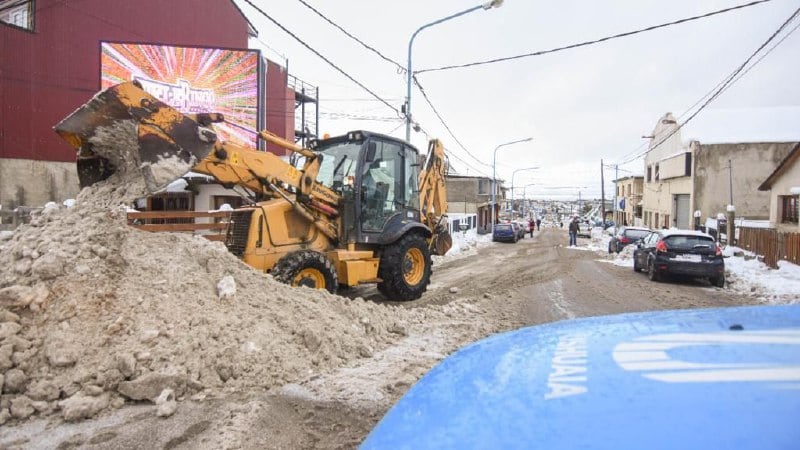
[636,234]
[678,242]
[502,227]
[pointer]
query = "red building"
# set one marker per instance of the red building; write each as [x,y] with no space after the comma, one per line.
[50,65]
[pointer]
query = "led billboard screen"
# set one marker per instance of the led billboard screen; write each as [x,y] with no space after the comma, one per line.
[192,80]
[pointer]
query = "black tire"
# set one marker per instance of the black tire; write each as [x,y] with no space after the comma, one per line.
[636,267]
[718,281]
[651,271]
[306,268]
[610,250]
[405,268]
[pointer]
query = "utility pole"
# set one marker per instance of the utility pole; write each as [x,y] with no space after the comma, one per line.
[616,188]
[730,179]
[602,195]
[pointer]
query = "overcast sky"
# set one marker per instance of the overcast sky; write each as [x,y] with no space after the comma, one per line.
[578,105]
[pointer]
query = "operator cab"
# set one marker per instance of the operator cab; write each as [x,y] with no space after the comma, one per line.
[377,176]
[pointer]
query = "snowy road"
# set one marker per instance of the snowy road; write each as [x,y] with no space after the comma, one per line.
[498,288]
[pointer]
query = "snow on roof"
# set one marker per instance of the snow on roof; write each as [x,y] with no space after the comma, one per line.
[736,125]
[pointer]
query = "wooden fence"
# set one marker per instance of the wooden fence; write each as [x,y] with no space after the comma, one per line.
[182,221]
[772,244]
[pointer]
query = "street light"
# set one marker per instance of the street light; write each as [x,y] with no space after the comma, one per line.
[524,193]
[486,6]
[494,172]
[512,182]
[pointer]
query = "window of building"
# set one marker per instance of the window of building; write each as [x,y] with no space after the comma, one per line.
[657,177]
[18,13]
[484,187]
[649,174]
[788,208]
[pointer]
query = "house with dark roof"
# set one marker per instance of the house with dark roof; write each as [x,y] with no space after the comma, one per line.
[784,190]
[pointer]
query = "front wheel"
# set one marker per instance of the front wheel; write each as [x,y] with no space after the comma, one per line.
[405,268]
[636,267]
[306,268]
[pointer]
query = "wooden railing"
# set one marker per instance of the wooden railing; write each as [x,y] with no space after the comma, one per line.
[182,221]
[770,243]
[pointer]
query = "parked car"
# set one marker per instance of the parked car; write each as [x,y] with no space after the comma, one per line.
[625,236]
[584,229]
[681,252]
[522,228]
[504,232]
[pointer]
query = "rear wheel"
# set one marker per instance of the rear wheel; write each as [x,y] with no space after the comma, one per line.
[405,268]
[636,267]
[651,271]
[306,268]
[718,281]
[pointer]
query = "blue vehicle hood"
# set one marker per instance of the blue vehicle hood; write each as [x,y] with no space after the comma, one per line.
[689,379]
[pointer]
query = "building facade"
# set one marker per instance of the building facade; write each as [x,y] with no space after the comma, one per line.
[685,184]
[668,184]
[783,186]
[51,65]
[628,211]
[468,195]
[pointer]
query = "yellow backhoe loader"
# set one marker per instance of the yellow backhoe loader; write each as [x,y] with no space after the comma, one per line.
[364,207]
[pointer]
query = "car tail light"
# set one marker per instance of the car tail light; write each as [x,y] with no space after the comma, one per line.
[661,246]
[624,240]
[719,251]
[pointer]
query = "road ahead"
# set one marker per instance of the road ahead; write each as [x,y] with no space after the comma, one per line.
[498,287]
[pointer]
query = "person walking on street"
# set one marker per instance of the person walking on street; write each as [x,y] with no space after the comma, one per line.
[538,224]
[574,227]
[531,226]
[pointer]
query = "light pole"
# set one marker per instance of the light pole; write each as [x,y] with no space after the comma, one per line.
[494,172]
[524,194]
[512,182]
[487,5]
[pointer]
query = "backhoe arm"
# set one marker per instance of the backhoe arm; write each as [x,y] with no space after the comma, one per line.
[433,197]
[125,129]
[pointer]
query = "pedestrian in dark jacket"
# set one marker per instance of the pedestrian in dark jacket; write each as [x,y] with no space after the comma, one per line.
[538,224]
[531,226]
[574,227]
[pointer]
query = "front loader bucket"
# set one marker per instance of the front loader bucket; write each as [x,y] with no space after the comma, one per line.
[441,241]
[125,129]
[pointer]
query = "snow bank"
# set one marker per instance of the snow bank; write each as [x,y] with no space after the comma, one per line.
[94,314]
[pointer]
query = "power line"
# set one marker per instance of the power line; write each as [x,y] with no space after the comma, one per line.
[707,94]
[450,153]
[441,119]
[295,37]
[400,67]
[596,41]
[732,78]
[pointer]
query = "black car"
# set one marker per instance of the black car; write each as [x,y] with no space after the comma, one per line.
[625,236]
[680,252]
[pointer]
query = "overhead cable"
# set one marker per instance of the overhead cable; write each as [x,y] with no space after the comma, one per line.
[732,78]
[348,34]
[592,42]
[295,37]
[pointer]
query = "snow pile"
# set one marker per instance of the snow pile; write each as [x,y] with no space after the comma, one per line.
[625,257]
[94,313]
[464,244]
[746,275]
